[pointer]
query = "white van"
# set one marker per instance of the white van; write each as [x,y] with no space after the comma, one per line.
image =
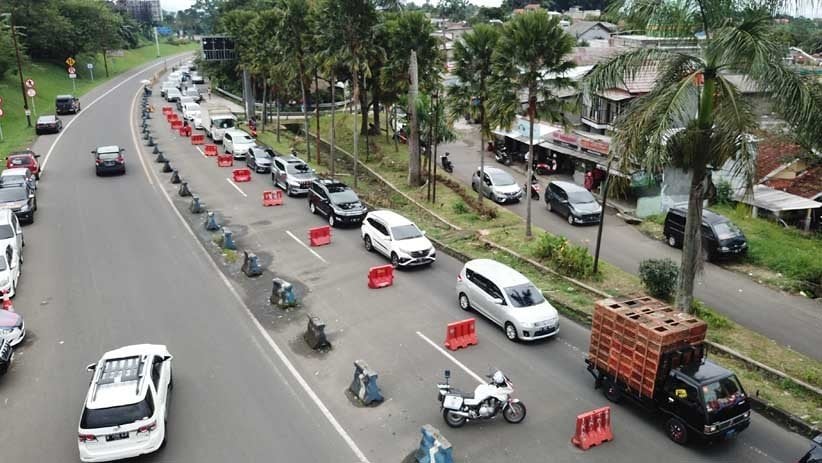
[218,123]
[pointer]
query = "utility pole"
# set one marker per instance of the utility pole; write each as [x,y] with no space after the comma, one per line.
[156,41]
[602,213]
[20,72]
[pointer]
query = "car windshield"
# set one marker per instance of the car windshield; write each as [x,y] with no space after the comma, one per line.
[580,197]
[226,123]
[406,232]
[298,168]
[725,230]
[524,295]
[45,119]
[262,155]
[343,196]
[12,179]
[117,416]
[108,156]
[721,394]
[502,178]
[6,232]
[12,194]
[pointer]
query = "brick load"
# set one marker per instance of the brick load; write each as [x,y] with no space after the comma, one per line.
[639,340]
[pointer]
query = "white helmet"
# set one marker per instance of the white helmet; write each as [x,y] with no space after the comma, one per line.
[499,378]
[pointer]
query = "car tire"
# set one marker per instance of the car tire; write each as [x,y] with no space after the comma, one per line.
[332,221]
[473,186]
[570,219]
[464,303]
[672,241]
[676,431]
[511,332]
[369,246]
[312,207]
[395,260]
[288,190]
[548,206]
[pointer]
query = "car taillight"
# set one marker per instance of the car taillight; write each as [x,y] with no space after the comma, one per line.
[120,159]
[86,438]
[98,161]
[148,428]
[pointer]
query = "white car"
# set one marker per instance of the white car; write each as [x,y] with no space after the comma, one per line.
[397,238]
[126,409]
[507,298]
[166,86]
[9,271]
[11,235]
[191,112]
[238,142]
[197,78]
[173,94]
[497,184]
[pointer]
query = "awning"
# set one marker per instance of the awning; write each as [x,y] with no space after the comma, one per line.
[615,94]
[777,200]
[515,136]
[600,161]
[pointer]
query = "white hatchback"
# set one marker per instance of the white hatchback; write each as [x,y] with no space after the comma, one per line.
[397,238]
[507,298]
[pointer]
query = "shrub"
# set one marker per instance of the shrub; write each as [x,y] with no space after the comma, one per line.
[714,320]
[459,207]
[659,276]
[563,256]
[724,192]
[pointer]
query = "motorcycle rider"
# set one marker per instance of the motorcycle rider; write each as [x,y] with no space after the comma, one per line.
[446,162]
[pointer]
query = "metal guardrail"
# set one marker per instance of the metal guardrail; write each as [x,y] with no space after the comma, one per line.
[259,106]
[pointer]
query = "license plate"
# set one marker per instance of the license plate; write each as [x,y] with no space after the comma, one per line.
[452,402]
[118,436]
[730,433]
[110,163]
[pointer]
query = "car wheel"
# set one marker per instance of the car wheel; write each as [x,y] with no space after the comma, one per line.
[312,208]
[672,241]
[570,219]
[511,332]
[473,186]
[332,222]
[548,206]
[706,255]
[677,431]
[288,190]
[465,304]
[395,260]
[367,243]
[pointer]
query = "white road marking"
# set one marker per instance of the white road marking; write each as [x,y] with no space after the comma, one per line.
[279,352]
[236,187]
[306,246]
[201,151]
[451,358]
[136,141]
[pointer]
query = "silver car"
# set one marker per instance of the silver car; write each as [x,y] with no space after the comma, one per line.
[292,175]
[497,184]
[508,299]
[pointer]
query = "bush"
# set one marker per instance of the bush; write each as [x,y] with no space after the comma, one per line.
[659,276]
[724,193]
[459,207]
[563,256]
[714,320]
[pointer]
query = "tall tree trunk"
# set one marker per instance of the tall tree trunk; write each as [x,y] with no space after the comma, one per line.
[333,123]
[532,103]
[305,110]
[265,105]
[375,94]
[355,96]
[481,150]
[364,107]
[414,165]
[105,62]
[317,109]
[277,102]
[395,129]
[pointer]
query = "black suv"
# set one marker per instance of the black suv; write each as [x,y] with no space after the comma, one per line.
[814,455]
[336,201]
[720,237]
[66,104]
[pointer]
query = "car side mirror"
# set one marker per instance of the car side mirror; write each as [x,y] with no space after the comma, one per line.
[168,357]
[31,196]
[91,366]
[498,301]
[93,151]
[36,156]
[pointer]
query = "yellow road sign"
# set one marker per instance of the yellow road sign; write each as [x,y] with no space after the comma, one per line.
[70,61]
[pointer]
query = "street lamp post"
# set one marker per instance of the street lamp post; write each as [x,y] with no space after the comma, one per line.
[20,72]
[434,155]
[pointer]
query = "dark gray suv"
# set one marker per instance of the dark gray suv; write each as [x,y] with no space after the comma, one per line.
[336,201]
[576,203]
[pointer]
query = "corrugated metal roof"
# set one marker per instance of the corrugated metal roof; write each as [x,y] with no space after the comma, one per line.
[776,201]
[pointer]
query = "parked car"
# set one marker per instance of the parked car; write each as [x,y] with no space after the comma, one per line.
[497,184]
[11,233]
[6,355]
[48,124]
[18,176]
[20,200]
[109,159]
[237,142]
[814,455]
[9,273]
[25,158]
[336,201]
[184,100]
[259,158]
[64,104]
[292,174]
[507,298]
[166,86]
[397,238]
[173,94]
[12,330]
[125,412]
[720,237]
[197,78]
[574,202]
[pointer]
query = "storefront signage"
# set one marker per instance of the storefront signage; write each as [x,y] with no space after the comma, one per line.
[598,147]
[566,138]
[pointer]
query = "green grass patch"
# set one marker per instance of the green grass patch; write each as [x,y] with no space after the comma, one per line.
[51,80]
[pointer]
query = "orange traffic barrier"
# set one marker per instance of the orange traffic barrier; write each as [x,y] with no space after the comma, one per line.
[225,160]
[167,110]
[461,334]
[210,150]
[593,428]
[380,277]
[172,117]
[241,175]
[272,198]
[176,125]
[319,236]
[198,139]
[185,131]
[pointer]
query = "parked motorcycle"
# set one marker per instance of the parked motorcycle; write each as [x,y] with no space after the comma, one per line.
[487,401]
[447,165]
[502,156]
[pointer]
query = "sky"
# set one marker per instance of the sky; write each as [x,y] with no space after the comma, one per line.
[177,5]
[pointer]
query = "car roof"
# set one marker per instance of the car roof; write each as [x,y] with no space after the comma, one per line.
[63,97]
[124,376]
[237,132]
[191,104]
[108,149]
[709,217]
[569,187]
[498,272]
[494,170]
[15,171]
[291,159]
[391,218]
[47,117]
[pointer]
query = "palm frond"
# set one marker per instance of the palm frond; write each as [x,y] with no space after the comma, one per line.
[624,67]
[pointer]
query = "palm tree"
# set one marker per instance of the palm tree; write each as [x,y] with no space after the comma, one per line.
[294,34]
[473,59]
[530,54]
[695,117]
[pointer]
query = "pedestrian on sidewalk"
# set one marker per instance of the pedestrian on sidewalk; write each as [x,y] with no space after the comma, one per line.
[208,90]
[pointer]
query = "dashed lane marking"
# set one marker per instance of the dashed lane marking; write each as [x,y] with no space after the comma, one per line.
[201,151]
[451,358]
[236,187]
[306,247]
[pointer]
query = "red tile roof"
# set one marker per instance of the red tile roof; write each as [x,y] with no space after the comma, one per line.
[807,184]
[773,152]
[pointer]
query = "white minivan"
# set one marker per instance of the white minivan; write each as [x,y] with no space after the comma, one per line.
[218,123]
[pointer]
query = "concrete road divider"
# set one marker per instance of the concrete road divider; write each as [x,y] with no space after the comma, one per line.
[380,277]
[461,334]
[150,140]
[146,134]
[434,447]
[156,149]
[210,150]
[251,265]
[319,236]
[228,239]
[175,177]
[176,125]
[364,386]
[211,222]
[272,198]
[198,139]
[315,334]
[593,428]
[185,131]
[183,190]
[282,293]
[167,167]
[225,160]
[196,207]
[160,158]
[241,175]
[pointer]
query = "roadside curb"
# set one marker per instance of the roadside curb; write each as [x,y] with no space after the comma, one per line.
[783,418]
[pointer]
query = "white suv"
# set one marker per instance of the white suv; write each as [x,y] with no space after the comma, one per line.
[397,238]
[126,408]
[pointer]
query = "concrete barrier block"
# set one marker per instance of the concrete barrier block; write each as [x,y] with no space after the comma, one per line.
[315,334]
[211,222]
[282,294]
[160,158]
[434,448]
[364,385]
[175,177]
[183,190]
[251,265]
[228,239]
[196,207]
[167,167]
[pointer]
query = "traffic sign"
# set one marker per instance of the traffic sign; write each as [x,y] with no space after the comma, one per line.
[70,61]
[71,70]
[72,76]
[1,112]
[89,65]
[31,92]
[29,83]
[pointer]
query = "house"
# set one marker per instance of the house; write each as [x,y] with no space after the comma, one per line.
[576,13]
[592,30]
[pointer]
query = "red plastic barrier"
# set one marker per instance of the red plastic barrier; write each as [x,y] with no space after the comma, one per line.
[272,198]
[185,131]
[176,125]
[380,277]
[461,334]
[593,428]
[319,236]
[225,160]
[198,139]
[241,175]
[210,150]
[172,117]
[7,305]
[167,110]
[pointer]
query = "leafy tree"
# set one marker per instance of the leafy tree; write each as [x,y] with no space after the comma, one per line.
[694,117]
[485,14]
[7,56]
[455,10]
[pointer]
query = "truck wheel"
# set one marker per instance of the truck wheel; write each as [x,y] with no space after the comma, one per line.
[677,431]
[612,392]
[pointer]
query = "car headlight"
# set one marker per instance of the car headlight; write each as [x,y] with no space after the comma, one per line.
[293,183]
[725,248]
[6,330]
[710,428]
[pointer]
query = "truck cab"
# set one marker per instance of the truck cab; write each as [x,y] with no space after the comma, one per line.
[218,123]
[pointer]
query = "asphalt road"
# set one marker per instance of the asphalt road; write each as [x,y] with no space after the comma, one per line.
[108,263]
[791,320]
[399,331]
